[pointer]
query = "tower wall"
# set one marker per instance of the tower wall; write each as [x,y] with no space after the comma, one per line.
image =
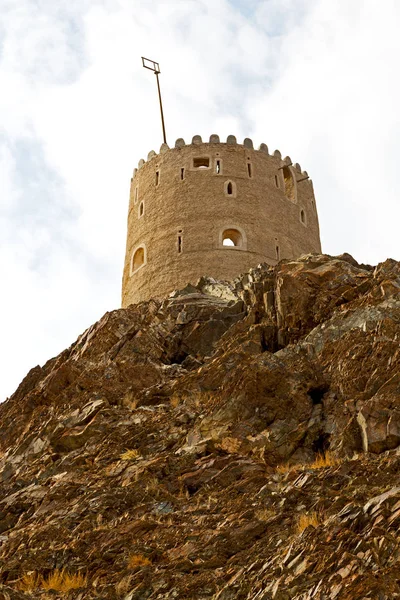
[182,201]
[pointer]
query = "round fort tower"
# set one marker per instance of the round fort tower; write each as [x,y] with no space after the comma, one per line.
[213,209]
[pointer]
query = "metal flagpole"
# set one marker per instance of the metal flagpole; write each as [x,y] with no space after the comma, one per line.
[155,67]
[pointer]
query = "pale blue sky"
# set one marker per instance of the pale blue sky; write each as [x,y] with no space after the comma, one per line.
[315,78]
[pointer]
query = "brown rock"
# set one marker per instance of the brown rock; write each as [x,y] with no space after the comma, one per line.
[171,451]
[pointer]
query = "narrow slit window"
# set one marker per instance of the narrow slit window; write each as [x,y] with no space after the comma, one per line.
[277,252]
[249,169]
[303,217]
[157,177]
[182,173]
[276,181]
[230,188]
[141,209]
[218,166]
[179,244]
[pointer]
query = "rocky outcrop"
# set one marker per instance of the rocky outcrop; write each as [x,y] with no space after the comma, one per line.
[177,448]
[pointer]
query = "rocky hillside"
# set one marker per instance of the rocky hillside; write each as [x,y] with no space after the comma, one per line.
[234,441]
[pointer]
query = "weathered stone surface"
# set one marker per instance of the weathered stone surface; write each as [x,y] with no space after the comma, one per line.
[248,143]
[170,451]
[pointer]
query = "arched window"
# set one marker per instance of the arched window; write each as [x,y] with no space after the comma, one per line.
[290,186]
[138,259]
[230,188]
[232,238]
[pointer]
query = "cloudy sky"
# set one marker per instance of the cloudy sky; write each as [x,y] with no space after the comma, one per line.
[317,79]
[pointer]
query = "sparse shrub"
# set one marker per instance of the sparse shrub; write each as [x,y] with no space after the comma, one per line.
[130,454]
[138,560]
[324,460]
[305,520]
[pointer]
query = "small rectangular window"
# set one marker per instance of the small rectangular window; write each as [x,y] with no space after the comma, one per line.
[218,166]
[182,173]
[157,177]
[276,181]
[249,169]
[202,162]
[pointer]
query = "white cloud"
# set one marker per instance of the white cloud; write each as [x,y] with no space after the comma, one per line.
[335,108]
[315,78]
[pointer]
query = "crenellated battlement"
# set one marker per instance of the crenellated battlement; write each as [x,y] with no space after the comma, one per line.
[215,139]
[213,208]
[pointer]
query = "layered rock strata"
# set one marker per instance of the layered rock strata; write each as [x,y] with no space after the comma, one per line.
[234,440]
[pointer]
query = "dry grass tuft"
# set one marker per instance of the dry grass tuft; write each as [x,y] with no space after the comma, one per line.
[284,468]
[130,454]
[305,520]
[230,445]
[265,514]
[29,582]
[174,400]
[138,560]
[123,586]
[202,398]
[58,580]
[152,485]
[63,581]
[324,460]
[130,400]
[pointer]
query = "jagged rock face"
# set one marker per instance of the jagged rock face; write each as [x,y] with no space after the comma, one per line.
[225,393]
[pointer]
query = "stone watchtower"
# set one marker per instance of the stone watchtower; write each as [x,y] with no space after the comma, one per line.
[213,209]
